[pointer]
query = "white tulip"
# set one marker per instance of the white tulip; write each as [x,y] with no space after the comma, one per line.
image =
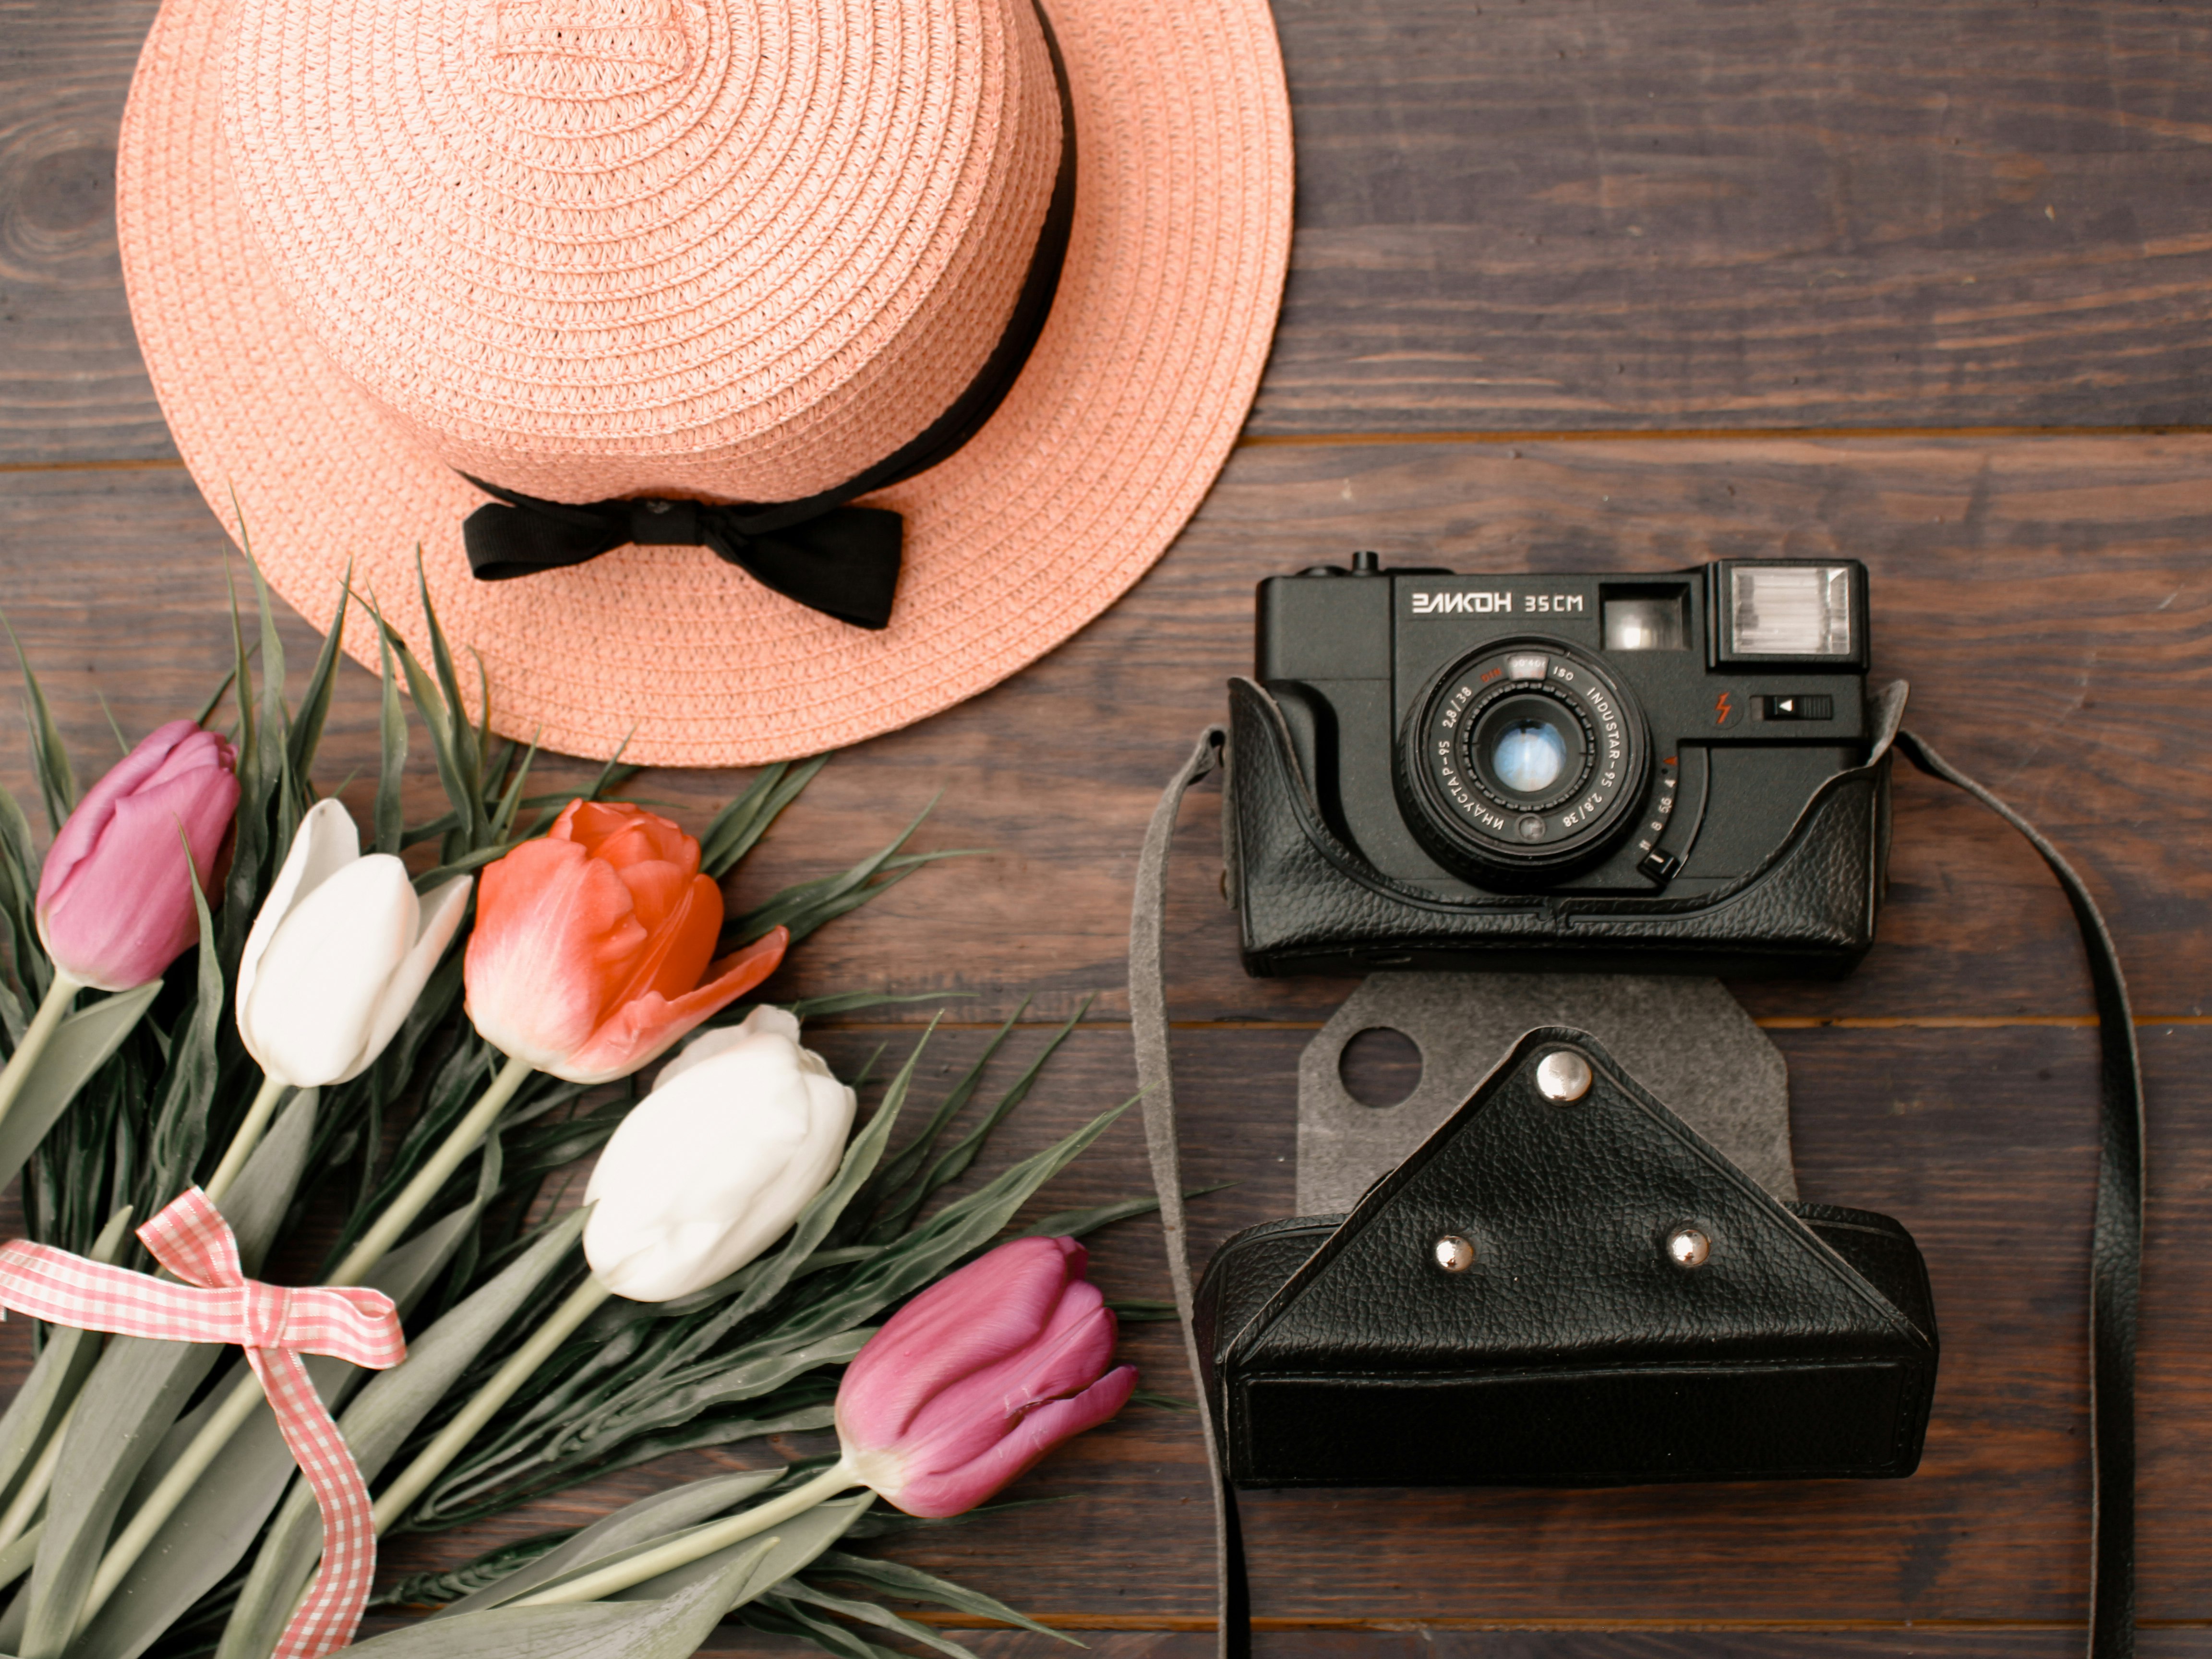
[338,954]
[742,1129]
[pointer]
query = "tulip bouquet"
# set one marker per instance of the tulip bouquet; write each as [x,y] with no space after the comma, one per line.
[215,983]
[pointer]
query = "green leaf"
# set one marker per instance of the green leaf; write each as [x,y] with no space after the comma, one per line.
[1075,1224]
[180,1120]
[867,1613]
[209,1532]
[810,905]
[908,1162]
[376,1426]
[845,1002]
[315,700]
[18,884]
[830,1638]
[833,1639]
[912,1584]
[740,826]
[49,756]
[468,754]
[670,1627]
[678,1399]
[951,1167]
[391,770]
[280,794]
[132,1396]
[674,1511]
[1173,1402]
[53,1386]
[80,1046]
[439,721]
[433,1588]
[798,1541]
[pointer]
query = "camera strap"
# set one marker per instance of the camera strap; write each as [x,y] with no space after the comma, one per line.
[2116,1243]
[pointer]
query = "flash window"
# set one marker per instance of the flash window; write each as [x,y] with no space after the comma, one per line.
[1790,611]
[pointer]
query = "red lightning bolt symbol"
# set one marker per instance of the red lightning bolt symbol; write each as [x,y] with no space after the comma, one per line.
[1721,710]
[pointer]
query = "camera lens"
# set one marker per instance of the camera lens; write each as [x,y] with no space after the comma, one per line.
[1528,756]
[1523,761]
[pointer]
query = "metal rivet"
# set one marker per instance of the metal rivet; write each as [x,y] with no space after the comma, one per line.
[1688,1248]
[1563,1075]
[1454,1253]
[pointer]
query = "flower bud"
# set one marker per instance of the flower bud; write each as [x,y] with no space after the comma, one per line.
[115,900]
[341,949]
[590,953]
[979,1377]
[741,1131]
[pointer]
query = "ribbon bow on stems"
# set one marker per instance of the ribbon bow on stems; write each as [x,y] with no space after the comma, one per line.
[217,1303]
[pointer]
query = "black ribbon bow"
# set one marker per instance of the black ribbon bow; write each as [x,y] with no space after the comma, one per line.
[843,562]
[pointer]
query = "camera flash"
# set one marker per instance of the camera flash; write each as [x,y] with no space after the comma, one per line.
[1527,665]
[1790,611]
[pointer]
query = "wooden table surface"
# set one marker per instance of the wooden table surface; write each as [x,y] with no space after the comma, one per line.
[1587,284]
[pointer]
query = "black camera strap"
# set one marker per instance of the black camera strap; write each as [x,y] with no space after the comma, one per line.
[2116,1244]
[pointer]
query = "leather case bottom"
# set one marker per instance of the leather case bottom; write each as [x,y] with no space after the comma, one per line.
[1575,1352]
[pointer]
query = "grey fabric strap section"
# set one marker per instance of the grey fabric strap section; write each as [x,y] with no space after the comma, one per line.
[1148,1021]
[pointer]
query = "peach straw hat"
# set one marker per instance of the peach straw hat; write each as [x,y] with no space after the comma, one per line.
[755,376]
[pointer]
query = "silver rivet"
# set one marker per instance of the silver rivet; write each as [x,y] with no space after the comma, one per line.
[1688,1248]
[1563,1075]
[1454,1253]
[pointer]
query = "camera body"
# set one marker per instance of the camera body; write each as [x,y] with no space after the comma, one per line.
[1620,772]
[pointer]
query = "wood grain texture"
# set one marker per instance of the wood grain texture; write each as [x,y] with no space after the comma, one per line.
[1525,213]
[2048,598]
[1522,215]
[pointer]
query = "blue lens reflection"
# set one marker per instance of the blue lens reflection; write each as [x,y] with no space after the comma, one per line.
[1528,757]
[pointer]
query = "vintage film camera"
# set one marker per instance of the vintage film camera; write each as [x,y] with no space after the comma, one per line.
[1637,773]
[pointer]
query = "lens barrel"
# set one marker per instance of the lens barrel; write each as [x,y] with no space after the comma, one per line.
[1523,761]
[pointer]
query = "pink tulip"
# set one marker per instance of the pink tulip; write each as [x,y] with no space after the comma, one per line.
[115,902]
[979,1377]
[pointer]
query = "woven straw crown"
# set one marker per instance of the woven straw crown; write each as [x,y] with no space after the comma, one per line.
[742,252]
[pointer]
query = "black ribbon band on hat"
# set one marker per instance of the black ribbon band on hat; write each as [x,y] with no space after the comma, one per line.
[840,560]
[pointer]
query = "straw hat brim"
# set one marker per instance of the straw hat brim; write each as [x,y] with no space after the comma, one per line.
[1102,449]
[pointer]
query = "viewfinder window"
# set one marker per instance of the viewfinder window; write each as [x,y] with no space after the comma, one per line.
[1646,621]
[1789,611]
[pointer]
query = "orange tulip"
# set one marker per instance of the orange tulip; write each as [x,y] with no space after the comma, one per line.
[591,945]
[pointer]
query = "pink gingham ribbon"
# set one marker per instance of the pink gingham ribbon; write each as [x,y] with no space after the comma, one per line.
[219,1304]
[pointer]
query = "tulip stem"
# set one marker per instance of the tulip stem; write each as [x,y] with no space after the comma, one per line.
[416,1196]
[245,1394]
[700,1542]
[53,1008]
[247,1138]
[582,1302]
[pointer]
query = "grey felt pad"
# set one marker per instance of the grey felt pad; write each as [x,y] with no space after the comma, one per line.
[1685,1040]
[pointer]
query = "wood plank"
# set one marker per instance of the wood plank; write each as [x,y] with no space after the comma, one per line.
[1675,213]
[1980,1141]
[1429,1641]
[2047,598]
[1572,214]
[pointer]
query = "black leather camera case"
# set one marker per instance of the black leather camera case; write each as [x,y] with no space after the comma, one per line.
[1575,1349]
[1307,903]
